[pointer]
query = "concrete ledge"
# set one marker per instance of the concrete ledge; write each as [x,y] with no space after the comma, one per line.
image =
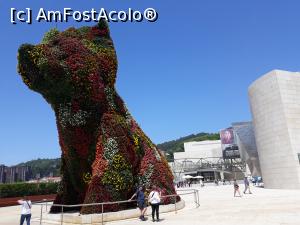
[76,218]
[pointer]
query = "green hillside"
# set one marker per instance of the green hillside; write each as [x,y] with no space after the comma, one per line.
[170,147]
[43,167]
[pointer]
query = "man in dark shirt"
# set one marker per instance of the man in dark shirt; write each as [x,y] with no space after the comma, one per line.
[140,198]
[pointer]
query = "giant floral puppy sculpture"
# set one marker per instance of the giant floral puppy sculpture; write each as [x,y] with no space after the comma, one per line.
[105,154]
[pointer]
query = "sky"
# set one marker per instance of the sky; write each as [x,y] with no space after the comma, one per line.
[186,73]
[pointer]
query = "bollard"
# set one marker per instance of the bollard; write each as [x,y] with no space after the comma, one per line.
[41,216]
[102,213]
[198,199]
[62,215]
[175,205]
[45,200]
[195,198]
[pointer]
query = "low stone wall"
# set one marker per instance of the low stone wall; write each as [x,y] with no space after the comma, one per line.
[34,198]
[76,218]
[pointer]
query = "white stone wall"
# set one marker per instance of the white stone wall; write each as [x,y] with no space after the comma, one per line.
[200,149]
[275,106]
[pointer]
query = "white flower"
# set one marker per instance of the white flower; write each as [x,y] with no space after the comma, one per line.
[110,96]
[110,149]
[67,117]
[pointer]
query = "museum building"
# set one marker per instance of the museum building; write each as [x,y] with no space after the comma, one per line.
[275,107]
[268,146]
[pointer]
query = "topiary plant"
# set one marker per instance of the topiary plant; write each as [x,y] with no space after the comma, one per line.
[105,154]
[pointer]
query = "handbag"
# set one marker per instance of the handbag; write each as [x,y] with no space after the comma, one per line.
[29,206]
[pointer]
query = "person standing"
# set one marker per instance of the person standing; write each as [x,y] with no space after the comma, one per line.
[236,188]
[201,183]
[140,197]
[154,199]
[247,185]
[26,210]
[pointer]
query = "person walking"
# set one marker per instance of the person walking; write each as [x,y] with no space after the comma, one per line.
[26,210]
[236,188]
[140,197]
[154,199]
[247,185]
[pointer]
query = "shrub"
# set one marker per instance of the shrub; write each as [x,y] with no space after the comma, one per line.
[22,189]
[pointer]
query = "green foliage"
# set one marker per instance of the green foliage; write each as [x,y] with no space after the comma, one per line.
[50,35]
[44,167]
[25,189]
[170,147]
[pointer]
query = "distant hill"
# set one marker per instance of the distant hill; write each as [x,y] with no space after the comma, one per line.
[43,167]
[170,147]
[46,167]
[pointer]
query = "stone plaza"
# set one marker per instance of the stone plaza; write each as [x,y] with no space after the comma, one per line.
[217,207]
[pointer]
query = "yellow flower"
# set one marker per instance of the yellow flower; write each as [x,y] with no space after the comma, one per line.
[136,140]
[87,177]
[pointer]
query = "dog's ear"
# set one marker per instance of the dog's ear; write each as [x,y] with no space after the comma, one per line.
[26,65]
[104,28]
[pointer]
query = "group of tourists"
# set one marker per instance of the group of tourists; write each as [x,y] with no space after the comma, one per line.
[236,187]
[223,182]
[154,200]
[183,184]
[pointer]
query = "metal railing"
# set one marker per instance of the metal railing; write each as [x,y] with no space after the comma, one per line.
[43,203]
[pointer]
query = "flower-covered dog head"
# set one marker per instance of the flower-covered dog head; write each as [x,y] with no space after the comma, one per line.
[73,65]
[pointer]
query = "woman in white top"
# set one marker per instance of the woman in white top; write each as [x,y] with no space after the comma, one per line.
[26,210]
[154,199]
